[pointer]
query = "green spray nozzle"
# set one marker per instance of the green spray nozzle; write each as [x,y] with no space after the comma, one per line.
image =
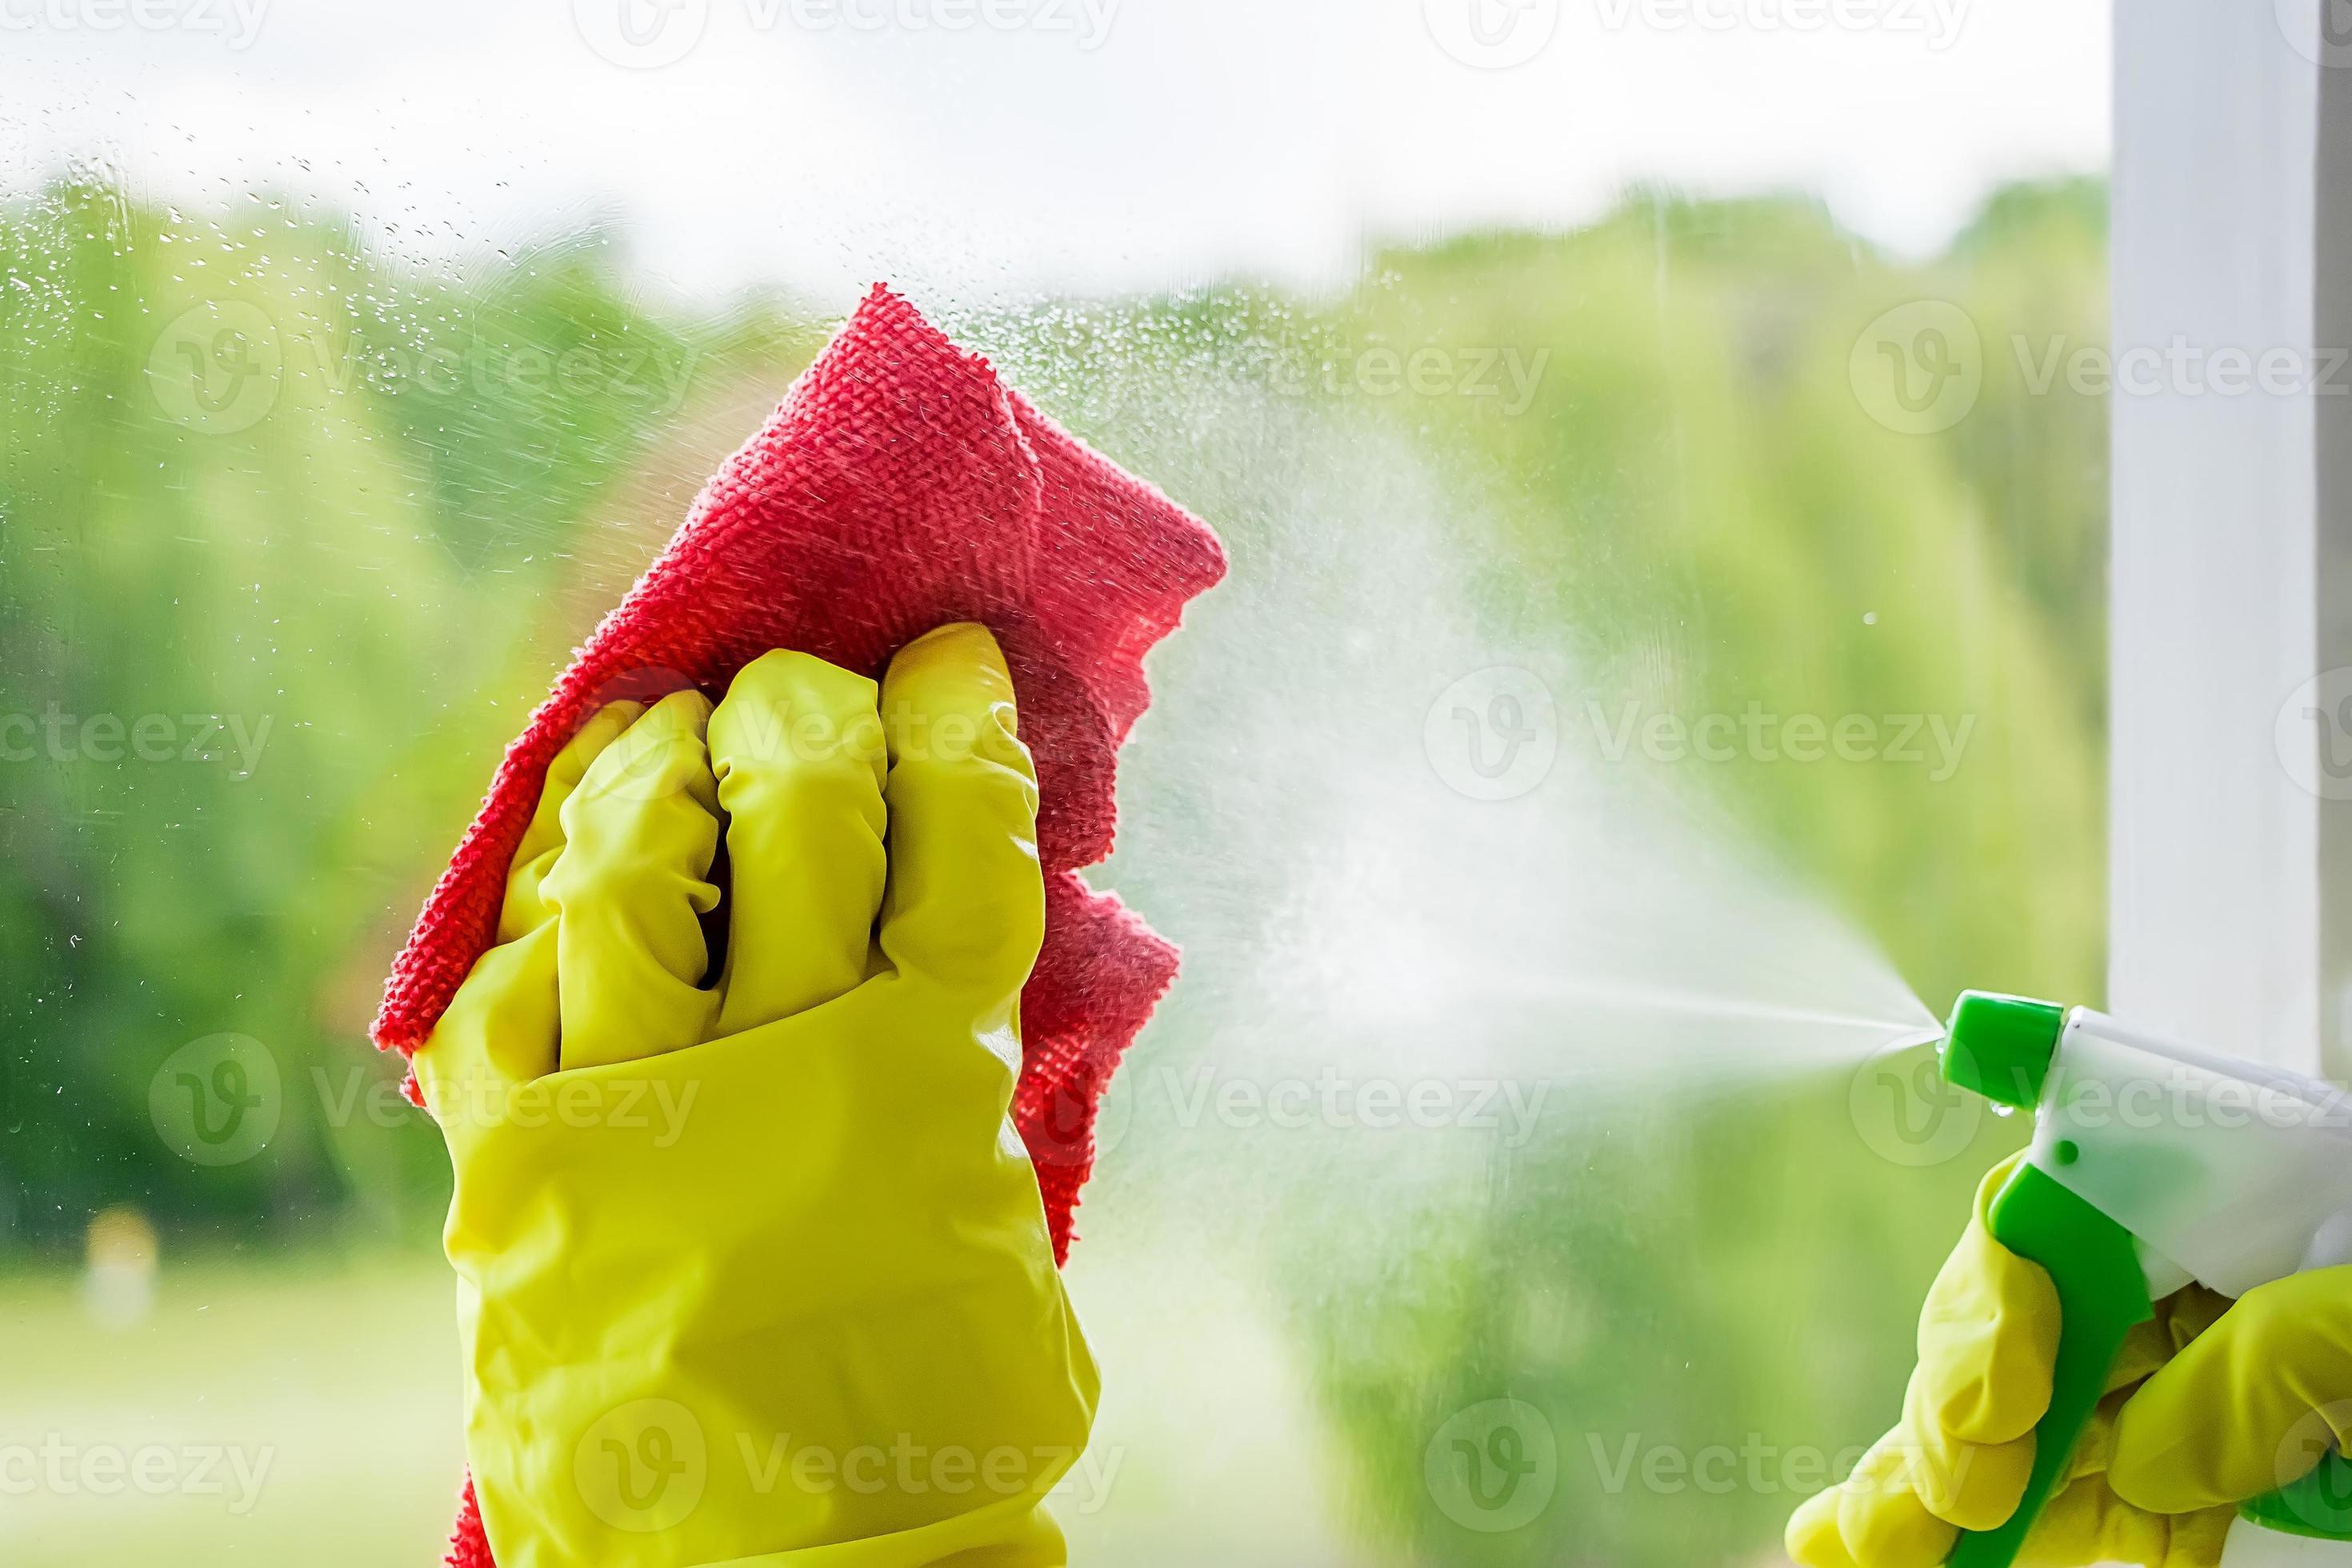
[2001,1046]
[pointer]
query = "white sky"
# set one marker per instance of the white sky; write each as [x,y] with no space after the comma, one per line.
[1095,144]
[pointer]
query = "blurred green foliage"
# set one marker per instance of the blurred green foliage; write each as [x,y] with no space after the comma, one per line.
[1697,488]
[331,524]
[1693,496]
[278,526]
[349,557]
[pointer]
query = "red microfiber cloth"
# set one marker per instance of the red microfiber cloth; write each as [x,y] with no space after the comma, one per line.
[898,486]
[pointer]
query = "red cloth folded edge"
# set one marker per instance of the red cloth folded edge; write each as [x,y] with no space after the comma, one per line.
[898,486]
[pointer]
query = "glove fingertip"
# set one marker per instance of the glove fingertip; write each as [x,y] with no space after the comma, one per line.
[1811,1538]
[1984,1484]
[1893,1529]
[2152,1470]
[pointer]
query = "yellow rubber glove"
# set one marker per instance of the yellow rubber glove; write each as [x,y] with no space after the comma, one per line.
[757,1271]
[2247,1407]
[1960,1457]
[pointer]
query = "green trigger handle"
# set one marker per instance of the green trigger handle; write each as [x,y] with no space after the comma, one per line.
[2102,1297]
[2004,1047]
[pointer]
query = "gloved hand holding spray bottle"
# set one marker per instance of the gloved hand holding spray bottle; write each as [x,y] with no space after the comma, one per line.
[2159,1173]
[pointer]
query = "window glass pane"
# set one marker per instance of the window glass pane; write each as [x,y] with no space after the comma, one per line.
[1662,451]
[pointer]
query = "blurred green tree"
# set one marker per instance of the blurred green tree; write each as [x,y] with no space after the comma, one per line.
[332,524]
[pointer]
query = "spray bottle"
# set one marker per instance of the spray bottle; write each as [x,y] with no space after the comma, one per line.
[2154,1164]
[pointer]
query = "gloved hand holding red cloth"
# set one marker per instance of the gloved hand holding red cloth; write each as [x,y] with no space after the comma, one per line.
[898,487]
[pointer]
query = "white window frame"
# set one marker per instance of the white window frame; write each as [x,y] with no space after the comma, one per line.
[2229,880]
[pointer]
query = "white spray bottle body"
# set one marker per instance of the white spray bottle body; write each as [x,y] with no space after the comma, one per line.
[2227,1172]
